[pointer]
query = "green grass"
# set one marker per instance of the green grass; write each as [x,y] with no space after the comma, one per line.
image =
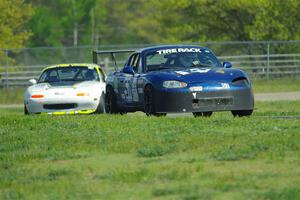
[11,96]
[139,157]
[15,95]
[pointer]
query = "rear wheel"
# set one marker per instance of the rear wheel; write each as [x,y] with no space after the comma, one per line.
[202,114]
[101,105]
[110,101]
[241,113]
[149,103]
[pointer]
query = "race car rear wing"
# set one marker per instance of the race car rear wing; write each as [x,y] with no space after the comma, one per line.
[112,54]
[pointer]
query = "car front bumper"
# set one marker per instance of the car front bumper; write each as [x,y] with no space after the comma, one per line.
[214,99]
[64,105]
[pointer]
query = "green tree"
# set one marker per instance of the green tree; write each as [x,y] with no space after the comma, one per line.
[113,19]
[276,20]
[217,20]
[60,22]
[86,22]
[13,33]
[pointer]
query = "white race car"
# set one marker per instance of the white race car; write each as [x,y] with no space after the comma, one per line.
[67,89]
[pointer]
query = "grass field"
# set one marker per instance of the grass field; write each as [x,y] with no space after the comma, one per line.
[15,95]
[139,157]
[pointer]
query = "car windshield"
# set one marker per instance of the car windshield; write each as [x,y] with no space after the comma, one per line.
[180,58]
[69,74]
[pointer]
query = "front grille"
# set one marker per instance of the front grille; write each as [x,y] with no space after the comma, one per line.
[215,101]
[61,106]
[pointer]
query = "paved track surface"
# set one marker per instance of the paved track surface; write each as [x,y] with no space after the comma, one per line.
[11,105]
[279,96]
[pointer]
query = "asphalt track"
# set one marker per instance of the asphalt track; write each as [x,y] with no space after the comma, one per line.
[279,96]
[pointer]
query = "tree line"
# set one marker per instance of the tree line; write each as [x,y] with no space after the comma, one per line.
[33,23]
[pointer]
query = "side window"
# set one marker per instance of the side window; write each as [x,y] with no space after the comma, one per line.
[136,63]
[132,59]
[140,67]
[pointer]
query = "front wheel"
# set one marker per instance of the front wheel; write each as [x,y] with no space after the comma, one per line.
[241,113]
[101,105]
[202,114]
[149,103]
[25,110]
[110,101]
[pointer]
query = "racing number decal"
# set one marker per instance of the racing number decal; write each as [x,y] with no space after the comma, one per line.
[134,91]
[127,90]
[130,92]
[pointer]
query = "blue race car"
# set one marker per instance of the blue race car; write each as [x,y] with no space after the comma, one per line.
[177,78]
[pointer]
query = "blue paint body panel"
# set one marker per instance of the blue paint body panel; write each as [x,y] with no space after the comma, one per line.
[205,85]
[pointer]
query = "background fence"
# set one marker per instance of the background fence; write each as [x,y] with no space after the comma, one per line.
[261,60]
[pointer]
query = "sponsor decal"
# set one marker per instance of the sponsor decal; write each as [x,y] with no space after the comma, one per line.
[193,70]
[59,93]
[109,79]
[178,50]
[140,81]
[140,90]
[221,71]
[225,85]
[194,95]
[135,96]
[182,72]
[196,89]
[197,70]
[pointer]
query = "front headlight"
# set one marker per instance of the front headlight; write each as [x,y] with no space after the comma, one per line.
[82,94]
[174,84]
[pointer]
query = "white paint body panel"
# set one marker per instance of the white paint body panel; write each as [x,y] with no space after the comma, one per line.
[63,95]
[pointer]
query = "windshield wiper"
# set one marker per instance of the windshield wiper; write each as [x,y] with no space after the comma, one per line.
[67,80]
[200,65]
[159,68]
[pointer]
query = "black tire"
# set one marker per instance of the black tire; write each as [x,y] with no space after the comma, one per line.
[101,105]
[123,113]
[202,114]
[241,113]
[110,101]
[149,102]
[25,110]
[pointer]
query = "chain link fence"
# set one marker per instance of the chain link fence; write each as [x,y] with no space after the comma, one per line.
[261,60]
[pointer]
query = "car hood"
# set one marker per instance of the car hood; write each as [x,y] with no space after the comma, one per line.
[199,75]
[63,85]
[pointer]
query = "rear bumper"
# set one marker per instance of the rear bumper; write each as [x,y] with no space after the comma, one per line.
[183,100]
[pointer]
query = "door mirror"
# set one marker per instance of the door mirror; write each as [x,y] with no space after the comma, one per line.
[32,81]
[128,70]
[227,64]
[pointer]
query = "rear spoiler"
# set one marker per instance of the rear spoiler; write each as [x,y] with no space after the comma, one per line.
[112,53]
